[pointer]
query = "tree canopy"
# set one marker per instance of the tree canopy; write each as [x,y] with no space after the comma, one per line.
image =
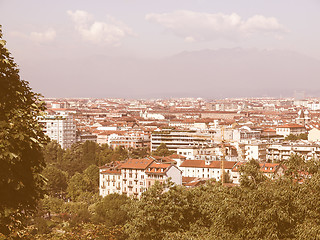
[162,151]
[21,140]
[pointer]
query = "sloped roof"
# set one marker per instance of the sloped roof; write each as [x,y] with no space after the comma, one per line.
[202,164]
[137,163]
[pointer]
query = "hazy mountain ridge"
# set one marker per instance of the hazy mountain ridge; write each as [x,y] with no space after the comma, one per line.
[220,73]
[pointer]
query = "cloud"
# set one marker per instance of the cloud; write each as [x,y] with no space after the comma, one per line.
[110,32]
[198,26]
[48,35]
[40,37]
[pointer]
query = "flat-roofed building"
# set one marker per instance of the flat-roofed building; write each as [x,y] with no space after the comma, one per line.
[60,128]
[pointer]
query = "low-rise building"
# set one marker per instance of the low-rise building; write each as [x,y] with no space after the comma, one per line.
[287,129]
[206,168]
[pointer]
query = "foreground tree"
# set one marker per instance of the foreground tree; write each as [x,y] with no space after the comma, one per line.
[21,139]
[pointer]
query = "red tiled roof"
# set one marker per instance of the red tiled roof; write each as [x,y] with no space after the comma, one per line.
[137,163]
[187,179]
[158,168]
[291,126]
[202,164]
[111,171]
[271,167]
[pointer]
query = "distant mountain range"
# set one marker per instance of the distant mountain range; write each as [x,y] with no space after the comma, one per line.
[211,74]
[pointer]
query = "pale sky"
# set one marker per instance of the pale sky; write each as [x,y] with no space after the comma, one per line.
[53,40]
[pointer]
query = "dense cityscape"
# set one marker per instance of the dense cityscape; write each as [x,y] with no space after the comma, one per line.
[159,120]
[199,133]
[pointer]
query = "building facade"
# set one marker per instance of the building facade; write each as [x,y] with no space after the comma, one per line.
[60,128]
[135,176]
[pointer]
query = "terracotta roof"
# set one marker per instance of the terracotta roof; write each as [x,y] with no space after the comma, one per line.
[202,164]
[164,159]
[111,171]
[195,182]
[137,163]
[269,167]
[177,156]
[187,179]
[291,126]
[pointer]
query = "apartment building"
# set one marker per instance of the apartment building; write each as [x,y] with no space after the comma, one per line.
[180,139]
[206,168]
[255,150]
[60,128]
[209,153]
[129,140]
[135,176]
[279,152]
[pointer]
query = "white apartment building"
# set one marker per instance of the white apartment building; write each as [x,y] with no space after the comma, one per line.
[255,151]
[135,176]
[208,153]
[206,168]
[279,152]
[129,140]
[180,139]
[60,128]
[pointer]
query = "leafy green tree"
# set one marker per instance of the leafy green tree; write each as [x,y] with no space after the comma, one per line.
[250,174]
[77,185]
[92,176]
[110,211]
[81,155]
[295,165]
[139,153]
[160,212]
[53,153]
[293,137]
[50,205]
[56,181]
[162,151]
[120,154]
[21,141]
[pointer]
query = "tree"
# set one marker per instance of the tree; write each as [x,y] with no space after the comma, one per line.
[53,153]
[138,152]
[78,184]
[56,181]
[295,165]
[92,175]
[21,141]
[110,211]
[293,137]
[251,176]
[162,151]
[160,212]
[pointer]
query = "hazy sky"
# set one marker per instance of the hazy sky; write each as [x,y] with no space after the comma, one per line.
[45,36]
